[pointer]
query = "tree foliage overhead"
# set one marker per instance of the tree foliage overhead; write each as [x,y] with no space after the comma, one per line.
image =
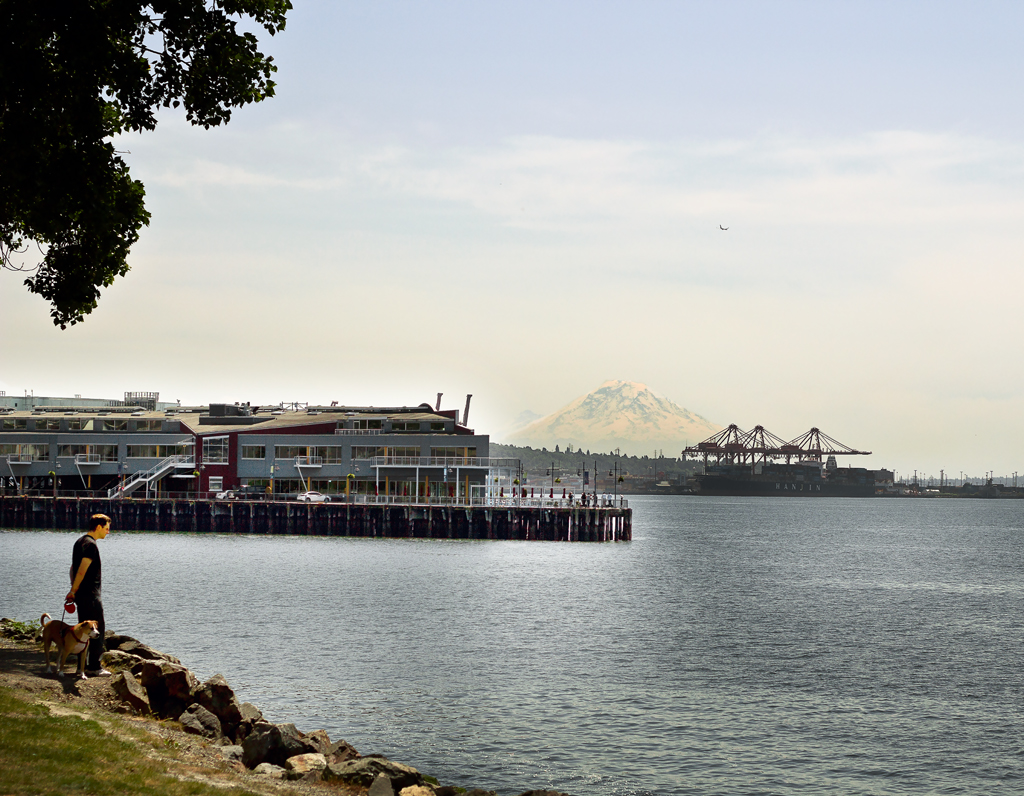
[74,73]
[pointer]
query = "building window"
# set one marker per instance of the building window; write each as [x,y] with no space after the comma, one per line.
[115,425]
[36,452]
[367,424]
[453,453]
[360,452]
[329,454]
[148,425]
[8,450]
[254,452]
[216,483]
[215,450]
[404,426]
[290,451]
[437,426]
[80,424]
[157,451]
[15,424]
[107,453]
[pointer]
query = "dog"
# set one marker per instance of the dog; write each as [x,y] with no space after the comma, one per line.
[68,640]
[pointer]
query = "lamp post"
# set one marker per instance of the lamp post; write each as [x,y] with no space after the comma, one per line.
[551,471]
[614,473]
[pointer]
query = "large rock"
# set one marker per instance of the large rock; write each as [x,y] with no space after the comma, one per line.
[169,687]
[118,661]
[270,770]
[417,790]
[307,766]
[217,697]
[365,770]
[250,712]
[199,721]
[381,787]
[340,751]
[273,743]
[135,647]
[251,715]
[131,692]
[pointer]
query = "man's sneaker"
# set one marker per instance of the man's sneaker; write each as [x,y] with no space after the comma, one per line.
[98,672]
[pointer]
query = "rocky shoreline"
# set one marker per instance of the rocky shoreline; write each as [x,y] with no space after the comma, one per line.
[153,684]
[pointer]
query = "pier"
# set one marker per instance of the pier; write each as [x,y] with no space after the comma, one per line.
[553,523]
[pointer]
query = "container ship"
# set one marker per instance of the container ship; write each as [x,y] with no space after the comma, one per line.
[759,463]
[803,479]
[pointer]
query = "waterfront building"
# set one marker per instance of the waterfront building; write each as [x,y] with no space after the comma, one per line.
[410,453]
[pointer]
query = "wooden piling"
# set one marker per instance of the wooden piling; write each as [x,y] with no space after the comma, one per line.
[574,524]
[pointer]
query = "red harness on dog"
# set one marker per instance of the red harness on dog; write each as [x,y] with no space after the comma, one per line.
[69,629]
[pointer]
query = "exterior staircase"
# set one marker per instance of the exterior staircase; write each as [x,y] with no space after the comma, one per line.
[154,473]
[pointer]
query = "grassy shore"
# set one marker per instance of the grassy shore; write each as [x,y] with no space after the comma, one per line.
[69,737]
[43,753]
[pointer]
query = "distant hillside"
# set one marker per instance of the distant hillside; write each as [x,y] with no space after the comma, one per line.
[622,415]
[537,459]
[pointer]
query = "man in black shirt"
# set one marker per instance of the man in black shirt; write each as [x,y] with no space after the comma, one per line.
[86,586]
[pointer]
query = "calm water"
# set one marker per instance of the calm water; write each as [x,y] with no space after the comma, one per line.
[736,646]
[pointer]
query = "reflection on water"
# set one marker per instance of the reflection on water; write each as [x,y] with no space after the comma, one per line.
[735,646]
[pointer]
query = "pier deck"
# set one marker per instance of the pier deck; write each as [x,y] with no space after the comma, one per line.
[401,521]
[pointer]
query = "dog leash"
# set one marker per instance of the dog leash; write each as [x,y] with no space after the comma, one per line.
[69,608]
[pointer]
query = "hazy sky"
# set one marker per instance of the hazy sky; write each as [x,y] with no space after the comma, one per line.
[522,200]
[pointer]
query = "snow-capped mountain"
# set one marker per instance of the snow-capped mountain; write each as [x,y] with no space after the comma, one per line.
[618,414]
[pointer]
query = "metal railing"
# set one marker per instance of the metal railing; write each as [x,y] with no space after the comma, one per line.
[483,501]
[88,458]
[394,500]
[309,461]
[476,462]
[157,470]
[362,432]
[23,458]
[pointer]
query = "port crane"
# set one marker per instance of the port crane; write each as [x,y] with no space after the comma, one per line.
[732,445]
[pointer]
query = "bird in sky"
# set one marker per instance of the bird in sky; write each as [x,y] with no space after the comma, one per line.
[721,227]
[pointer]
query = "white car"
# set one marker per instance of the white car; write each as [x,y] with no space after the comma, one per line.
[313,497]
